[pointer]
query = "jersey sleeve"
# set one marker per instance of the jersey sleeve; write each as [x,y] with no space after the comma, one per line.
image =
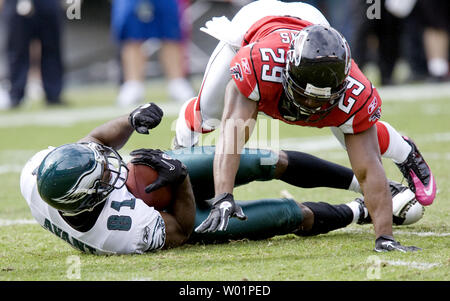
[361,105]
[369,114]
[366,116]
[242,72]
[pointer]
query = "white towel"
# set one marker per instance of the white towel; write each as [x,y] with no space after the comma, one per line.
[222,29]
[400,8]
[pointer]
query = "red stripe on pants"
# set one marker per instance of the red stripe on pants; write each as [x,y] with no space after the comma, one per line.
[193,116]
[383,137]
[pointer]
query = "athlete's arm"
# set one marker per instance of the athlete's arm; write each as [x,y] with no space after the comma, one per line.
[238,121]
[115,133]
[179,219]
[365,159]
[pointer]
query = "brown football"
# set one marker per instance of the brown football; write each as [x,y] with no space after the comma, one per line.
[139,177]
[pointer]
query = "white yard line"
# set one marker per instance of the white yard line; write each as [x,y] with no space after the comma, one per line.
[13,222]
[310,143]
[304,145]
[68,117]
[15,168]
[423,234]
[409,264]
[412,264]
[398,232]
[413,93]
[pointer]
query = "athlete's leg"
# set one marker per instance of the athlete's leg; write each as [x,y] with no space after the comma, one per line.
[203,113]
[256,10]
[266,218]
[295,168]
[326,217]
[391,143]
[405,154]
[255,165]
[308,171]
[270,217]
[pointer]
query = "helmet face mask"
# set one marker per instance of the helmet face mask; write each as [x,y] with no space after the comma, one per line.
[318,63]
[75,178]
[308,104]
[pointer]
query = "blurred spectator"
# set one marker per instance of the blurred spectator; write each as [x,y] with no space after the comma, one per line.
[435,17]
[412,37]
[34,90]
[29,20]
[395,34]
[4,95]
[337,14]
[384,34]
[134,22]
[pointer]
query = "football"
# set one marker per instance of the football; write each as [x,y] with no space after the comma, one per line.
[406,209]
[139,177]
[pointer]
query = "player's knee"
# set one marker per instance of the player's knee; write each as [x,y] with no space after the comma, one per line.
[281,165]
[307,222]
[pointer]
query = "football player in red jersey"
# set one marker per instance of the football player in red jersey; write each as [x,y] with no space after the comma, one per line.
[303,74]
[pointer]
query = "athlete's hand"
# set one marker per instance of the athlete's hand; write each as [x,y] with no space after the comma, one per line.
[386,243]
[223,207]
[170,171]
[145,117]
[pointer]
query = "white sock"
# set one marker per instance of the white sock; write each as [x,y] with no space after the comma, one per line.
[398,149]
[438,67]
[354,185]
[5,102]
[354,206]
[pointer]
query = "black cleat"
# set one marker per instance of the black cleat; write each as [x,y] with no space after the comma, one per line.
[364,217]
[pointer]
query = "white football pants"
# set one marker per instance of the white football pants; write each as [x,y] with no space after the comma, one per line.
[203,113]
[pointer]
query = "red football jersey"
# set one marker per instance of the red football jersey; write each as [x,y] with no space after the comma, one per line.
[257,68]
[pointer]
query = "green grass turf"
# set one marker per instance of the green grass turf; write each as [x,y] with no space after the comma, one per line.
[28,252]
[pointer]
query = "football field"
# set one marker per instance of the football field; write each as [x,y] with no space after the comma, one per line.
[28,252]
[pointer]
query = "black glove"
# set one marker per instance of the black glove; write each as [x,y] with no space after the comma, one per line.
[386,243]
[145,117]
[170,171]
[223,207]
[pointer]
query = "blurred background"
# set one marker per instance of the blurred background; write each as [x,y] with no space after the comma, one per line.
[48,47]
